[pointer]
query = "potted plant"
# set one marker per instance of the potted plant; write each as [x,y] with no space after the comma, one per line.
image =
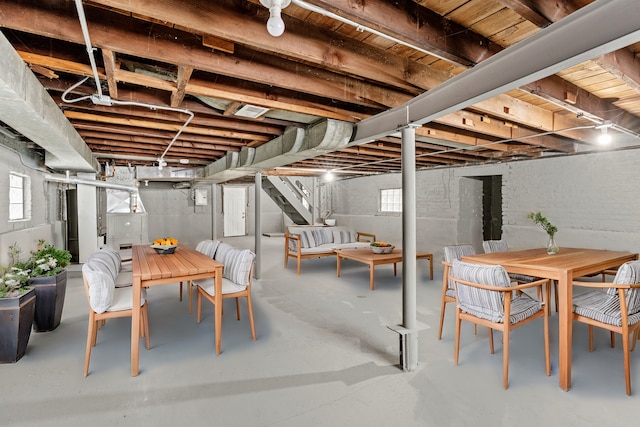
[17,308]
[550,229]
[48,276]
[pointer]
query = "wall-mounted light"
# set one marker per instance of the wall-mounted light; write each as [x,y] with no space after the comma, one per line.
[604,138]
[275,24]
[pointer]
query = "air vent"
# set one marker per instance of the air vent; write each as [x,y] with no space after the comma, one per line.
[251,111]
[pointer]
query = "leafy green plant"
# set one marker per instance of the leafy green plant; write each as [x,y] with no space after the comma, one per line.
[47,260]
[537,218]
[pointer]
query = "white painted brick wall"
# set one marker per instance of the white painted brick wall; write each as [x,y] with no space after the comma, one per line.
[593,199]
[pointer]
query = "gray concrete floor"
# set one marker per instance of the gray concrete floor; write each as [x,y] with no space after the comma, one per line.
[324,357]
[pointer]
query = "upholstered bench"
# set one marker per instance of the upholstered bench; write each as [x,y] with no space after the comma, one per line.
[317,241]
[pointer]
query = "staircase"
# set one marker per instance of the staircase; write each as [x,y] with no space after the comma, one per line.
[293,198]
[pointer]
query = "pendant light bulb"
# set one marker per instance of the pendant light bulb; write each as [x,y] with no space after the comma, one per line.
[605,137]
[275,24]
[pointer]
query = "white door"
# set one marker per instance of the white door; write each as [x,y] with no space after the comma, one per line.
[234,210]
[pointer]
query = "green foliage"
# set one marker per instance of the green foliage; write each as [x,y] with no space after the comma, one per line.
[45,261]
[13,282]
[543,222]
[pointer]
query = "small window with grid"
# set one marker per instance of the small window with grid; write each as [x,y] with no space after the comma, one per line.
[391,200]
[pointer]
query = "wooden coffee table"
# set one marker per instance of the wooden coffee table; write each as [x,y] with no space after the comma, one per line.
[366,256]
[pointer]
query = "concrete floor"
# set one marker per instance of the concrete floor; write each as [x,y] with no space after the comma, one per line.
[324,357]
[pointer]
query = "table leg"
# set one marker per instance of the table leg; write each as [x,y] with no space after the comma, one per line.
[395,269]
[430,267]
[135,325]
[371,275]
[218,309]
[565,319]
[338,265]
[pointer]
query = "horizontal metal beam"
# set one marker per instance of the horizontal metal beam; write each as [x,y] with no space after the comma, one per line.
[577,38]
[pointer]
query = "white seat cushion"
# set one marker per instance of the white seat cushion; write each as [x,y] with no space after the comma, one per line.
[123,299]
[228,287]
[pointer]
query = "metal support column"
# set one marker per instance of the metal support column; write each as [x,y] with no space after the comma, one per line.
[409,276]
[258,224]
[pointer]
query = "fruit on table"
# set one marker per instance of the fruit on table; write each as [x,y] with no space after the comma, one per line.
[381,244]
[166,241]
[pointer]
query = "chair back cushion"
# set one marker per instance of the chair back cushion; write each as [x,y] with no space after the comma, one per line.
[100,283]
[109,259]
[237,266]
[628,274]
[495,246]
[222,251]
[208,247]
[454,252]
[480,302]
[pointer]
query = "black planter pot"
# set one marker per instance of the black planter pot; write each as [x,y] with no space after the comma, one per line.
[50,292]
[16,318]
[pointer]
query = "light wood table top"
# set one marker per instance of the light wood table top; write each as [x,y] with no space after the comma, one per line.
[367,256]
[563,267]
[150,269]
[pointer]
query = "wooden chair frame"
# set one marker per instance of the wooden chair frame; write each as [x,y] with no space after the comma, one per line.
[543,287]
[625,330]
[446,299]
[97,320]
[246,293]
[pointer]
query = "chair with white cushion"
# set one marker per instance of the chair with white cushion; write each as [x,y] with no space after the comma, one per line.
[108,302]
[207,247]
[485,296]
[236,281]
[614,307]
[451,253]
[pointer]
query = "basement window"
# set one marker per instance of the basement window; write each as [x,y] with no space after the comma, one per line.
[391,200]
[19,197]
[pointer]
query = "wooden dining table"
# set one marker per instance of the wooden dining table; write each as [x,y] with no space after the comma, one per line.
[563,267]
[151,269]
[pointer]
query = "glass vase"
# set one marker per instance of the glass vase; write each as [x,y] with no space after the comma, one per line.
[552,246]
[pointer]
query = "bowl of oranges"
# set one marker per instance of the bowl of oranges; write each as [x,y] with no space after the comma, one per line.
[381,247]
[165,245]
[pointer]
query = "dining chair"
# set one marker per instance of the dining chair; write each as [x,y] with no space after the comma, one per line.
[451,253]
[485,296]
[207,247]
[108,302]
[501,245]
[615,307]
[236,283]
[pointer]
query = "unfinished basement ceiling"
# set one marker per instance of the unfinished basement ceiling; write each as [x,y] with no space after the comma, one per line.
[216,59]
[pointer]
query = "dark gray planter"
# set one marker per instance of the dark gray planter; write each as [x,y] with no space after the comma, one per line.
[16,318]
[50,293]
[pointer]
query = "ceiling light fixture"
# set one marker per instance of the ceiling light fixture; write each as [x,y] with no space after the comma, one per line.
[604,138]
[275,24]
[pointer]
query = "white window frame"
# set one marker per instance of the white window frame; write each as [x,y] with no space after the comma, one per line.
[19,197]
[391,200]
